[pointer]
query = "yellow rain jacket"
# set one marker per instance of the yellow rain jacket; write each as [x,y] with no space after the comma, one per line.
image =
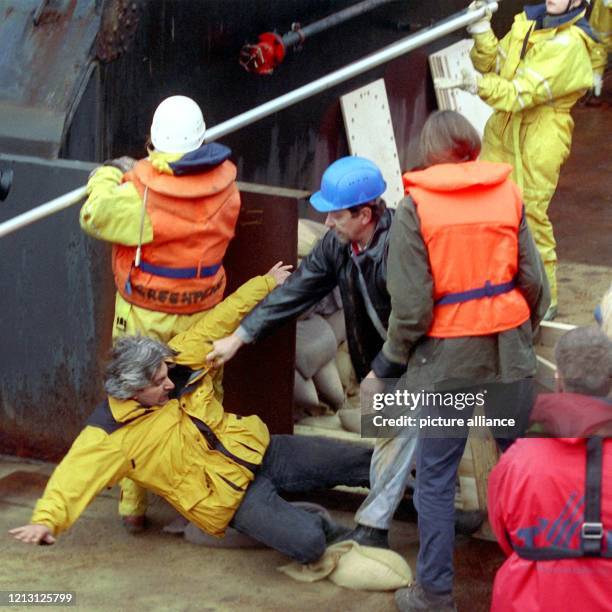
[161,448]
[532,78]
[114,213]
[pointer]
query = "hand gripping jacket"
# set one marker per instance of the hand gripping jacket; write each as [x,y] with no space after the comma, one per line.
[470,215]
[193,218]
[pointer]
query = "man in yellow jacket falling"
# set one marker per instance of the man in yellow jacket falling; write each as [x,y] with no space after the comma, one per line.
[163,425]
[532,78]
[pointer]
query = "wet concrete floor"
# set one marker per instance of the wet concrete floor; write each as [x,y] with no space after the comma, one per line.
[108,569]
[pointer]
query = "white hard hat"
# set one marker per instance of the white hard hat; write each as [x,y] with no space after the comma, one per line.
[178,126]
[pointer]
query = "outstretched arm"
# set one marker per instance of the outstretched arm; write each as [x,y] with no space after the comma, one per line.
[194,344]
[92,463]
[315,277]
[225,348]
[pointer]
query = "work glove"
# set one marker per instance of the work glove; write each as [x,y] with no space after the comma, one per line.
[125,163]
[482,25]
[468,81]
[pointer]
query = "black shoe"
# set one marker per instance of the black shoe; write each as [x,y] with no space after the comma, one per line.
[369,536]
[468,522]
[417,599]
[334,532]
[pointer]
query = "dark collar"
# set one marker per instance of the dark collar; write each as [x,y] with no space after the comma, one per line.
[205,158]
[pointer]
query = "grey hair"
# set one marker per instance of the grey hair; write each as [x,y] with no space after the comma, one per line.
[133,363]
[584,361]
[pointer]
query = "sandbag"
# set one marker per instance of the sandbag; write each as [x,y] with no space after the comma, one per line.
[315,345]
[305,398]
[329,386]
[350,565]
[371,569]
[338,324]
[346,370]
[350,419]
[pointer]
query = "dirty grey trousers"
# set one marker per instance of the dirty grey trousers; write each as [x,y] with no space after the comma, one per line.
[294,464]
[390,474]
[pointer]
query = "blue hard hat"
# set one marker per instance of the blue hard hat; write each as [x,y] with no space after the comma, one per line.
[349,181]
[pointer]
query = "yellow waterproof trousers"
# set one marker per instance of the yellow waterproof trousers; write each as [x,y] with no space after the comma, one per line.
[536,142]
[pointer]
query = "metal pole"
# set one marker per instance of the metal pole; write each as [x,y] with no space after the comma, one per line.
[297,37]
[44,210]
[423,37]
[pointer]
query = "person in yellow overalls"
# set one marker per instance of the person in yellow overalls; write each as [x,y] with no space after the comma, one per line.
[170,218]
[532,78]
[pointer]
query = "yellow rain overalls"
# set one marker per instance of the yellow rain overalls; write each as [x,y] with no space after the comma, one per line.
[532,78]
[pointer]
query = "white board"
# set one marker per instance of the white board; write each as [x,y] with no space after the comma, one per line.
[369,131]
[449,62]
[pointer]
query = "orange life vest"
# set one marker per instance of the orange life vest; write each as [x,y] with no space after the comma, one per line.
[193,218]
[470,215]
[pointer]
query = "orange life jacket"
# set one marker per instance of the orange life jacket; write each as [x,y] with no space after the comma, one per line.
[193,218]
[470,215]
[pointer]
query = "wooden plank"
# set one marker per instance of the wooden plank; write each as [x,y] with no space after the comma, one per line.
[450,62]
[484,457]
[369,130]
[550,332]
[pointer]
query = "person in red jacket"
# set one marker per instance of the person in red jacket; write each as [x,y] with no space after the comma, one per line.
[556,531]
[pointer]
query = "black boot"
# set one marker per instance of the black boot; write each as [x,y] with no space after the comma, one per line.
[417,599]
[334,532]
[369,536]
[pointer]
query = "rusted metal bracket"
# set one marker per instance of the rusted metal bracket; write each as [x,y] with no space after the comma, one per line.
[120,19]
